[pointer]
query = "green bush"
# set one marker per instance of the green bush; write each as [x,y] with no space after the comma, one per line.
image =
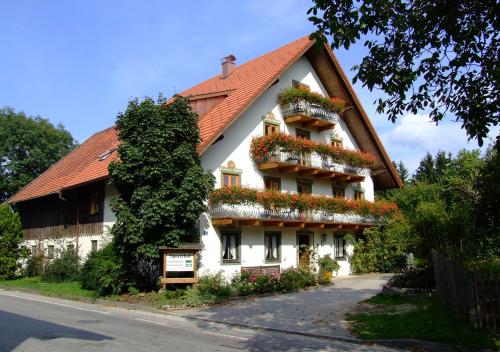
[34,265]
[64,268]
[103,272]
[267,284]
[416,277]
[11,236]
[383,248]
[293,279]
[214,285]
[328,264]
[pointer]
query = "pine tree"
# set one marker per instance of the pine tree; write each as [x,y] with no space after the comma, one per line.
[162,186]
[426,171]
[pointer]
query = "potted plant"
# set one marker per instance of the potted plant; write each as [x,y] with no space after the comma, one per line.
[327,266]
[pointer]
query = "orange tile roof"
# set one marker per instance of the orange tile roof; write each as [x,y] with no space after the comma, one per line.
[242,86]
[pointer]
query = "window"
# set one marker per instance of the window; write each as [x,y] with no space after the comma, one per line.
[338,192]
[50,252]
[298,84]
[272,242]
[302,134]
[34,250]
[230,180]
[339,246]
[94,245]
[230,247]
[304,186]
[95,204]
[272,183]
[359,195]
[270,128]
[71,247]
[337,143]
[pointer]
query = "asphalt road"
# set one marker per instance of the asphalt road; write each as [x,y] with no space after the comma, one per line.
[36,323]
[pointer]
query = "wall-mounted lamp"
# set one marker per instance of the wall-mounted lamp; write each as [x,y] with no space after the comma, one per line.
[324,237]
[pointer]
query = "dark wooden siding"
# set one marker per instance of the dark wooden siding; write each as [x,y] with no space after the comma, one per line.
[52,217]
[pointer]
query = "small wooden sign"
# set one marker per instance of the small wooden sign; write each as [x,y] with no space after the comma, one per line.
[180,264]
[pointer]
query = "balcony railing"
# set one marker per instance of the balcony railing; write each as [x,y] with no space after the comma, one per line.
[258,212]
[308,109]
[312,160]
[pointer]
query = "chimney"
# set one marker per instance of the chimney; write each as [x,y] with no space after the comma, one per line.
[228,65]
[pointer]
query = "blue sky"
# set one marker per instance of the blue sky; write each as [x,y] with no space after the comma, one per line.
[79,62]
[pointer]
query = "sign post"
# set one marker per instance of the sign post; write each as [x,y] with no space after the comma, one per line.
[180,264]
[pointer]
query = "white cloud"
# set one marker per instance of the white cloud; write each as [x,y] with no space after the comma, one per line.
[414,135]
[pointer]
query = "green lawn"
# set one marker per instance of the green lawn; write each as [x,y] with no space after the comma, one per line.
[423,318]
[63,289]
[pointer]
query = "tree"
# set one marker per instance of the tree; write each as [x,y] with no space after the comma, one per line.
[487,210]
[426,171]
[162,186]
[402,171]
[28,147]
[425,55]
[11,235]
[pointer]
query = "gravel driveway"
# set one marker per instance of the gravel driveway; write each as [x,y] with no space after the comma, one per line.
[317,311]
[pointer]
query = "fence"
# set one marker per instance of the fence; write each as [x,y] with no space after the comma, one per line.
[476,299]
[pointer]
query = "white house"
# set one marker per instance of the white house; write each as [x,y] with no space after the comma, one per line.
[68,205]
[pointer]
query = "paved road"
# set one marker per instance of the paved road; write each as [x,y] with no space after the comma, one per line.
[35,323]
[319,311]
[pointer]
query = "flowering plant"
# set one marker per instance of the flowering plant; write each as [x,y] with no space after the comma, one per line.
[262,148]
[295,95]
[302,202]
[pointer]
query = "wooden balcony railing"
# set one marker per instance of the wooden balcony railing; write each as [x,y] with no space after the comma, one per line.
[309,115]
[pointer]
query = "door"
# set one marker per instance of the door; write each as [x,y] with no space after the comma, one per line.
[304,248]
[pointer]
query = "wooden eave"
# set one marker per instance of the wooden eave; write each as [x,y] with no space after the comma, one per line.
[289,223]
[310,122]
[304,170]
[337,84]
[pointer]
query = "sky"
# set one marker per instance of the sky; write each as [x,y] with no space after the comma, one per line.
[79,62]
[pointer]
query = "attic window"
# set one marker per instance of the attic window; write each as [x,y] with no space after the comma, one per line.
[107,153]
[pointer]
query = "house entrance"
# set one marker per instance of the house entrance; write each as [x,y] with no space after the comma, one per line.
[304,248]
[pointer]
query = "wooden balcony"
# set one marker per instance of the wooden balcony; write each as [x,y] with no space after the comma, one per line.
[309,116]
[255,215]
[311,165]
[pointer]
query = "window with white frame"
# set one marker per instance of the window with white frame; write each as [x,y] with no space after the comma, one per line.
[272,245]
[339,245]
[230,246]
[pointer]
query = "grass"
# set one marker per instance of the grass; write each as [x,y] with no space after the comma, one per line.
[64,289]
[422,318]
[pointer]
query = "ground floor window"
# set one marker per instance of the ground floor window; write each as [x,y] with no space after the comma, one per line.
[230,246]
[94,245]
[50,252]
[272,242]
[34,250]
[339,246]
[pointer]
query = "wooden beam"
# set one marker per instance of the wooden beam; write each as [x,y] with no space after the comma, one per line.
[342,178]
[333,226]
[326,127]
[249,222]
[312,123]
[273,223]
[294,224]
[268,166]
[295,118]
[288,169]
[179,280]
[218,222]
[317,225]
[325,174]
[306,172]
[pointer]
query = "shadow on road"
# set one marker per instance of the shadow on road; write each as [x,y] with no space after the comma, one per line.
[15,329]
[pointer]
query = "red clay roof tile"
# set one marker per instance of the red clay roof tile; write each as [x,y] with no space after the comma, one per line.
[245,84]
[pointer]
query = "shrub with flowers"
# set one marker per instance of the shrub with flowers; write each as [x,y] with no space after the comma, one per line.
[303,202]
[263,147]
[294,95]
